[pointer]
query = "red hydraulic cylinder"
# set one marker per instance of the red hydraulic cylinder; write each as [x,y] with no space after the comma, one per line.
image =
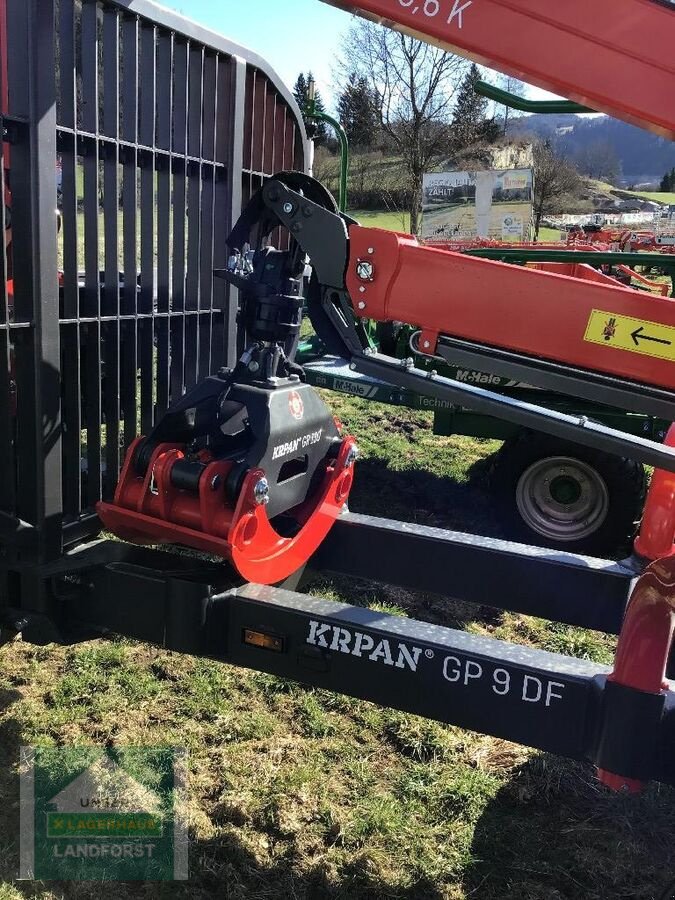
[644,645]
[657,531]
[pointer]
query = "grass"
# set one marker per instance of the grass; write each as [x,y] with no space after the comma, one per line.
[299,793]
[659,196]
[392,221]
[549,234]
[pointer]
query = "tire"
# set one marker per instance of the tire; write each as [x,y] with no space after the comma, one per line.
[552,493]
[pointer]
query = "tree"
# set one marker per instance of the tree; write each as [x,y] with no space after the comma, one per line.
[357,112]
[471,127]
[599,159]
[556,182]
[316,129]
[413,85]
[512,86]
[668,182]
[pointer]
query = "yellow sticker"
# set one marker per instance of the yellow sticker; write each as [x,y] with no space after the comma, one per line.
[634,335]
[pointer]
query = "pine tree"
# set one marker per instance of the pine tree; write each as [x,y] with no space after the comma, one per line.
[316,129]
[666,183]
[357,113]
[470,125]
[301,91]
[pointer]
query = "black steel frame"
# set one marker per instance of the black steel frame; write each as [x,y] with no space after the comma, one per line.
[163,130]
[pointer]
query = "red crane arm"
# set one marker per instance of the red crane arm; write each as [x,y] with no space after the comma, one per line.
[587,322]
[614,57]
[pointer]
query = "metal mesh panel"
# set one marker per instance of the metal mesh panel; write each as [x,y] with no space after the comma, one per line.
[148,133]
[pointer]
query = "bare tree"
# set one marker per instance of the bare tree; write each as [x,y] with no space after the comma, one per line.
[413,84]
[556,183]
[512,86]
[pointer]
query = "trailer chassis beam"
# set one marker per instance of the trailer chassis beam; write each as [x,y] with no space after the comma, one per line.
[575,708]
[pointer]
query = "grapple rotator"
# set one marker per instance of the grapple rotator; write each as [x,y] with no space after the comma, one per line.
[249,465]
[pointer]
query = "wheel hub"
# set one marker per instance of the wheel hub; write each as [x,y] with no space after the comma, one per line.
[562,498]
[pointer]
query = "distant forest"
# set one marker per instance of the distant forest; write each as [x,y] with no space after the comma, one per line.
[602,144]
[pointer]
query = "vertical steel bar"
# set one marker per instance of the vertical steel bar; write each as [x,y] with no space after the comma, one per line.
[179,180]
[147,75]
[31,77]
[163,166]
[90,300]
[110,299]
[129,125]
[229,195]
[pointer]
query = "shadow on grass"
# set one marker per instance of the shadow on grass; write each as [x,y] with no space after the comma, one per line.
[229,870]
[554,833]
[10,741]
[417,495]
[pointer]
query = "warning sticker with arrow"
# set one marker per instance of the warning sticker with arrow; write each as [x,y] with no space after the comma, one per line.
[634,335]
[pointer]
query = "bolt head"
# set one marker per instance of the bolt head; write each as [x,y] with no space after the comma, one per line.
[365,270]
[426,345]
[371,249]
[362,305]
[261,492]
[288,208]
[352,456]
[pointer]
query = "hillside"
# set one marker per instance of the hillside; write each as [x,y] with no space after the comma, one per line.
[643,157]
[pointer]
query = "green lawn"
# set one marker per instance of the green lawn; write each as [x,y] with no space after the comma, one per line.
[392,221]
[659,196]
[549,234]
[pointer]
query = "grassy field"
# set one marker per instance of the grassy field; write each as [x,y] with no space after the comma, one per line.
[298,793]
[659,196]
[392,221]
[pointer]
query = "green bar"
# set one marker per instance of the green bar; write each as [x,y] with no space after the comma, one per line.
[506,98]
[524,254]
[311,113]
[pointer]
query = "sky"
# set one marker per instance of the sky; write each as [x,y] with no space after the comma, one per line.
[292,35]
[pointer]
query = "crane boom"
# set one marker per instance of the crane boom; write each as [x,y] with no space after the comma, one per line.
[616,58]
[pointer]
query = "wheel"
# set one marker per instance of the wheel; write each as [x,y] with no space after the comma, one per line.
[552,493]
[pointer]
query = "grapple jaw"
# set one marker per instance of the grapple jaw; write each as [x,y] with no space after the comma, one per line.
[249,465]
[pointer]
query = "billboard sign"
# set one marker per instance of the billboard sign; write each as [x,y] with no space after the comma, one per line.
[495,204]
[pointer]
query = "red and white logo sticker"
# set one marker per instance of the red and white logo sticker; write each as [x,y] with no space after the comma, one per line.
[295,405]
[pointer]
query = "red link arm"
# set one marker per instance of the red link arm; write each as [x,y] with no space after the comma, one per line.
[616,58]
